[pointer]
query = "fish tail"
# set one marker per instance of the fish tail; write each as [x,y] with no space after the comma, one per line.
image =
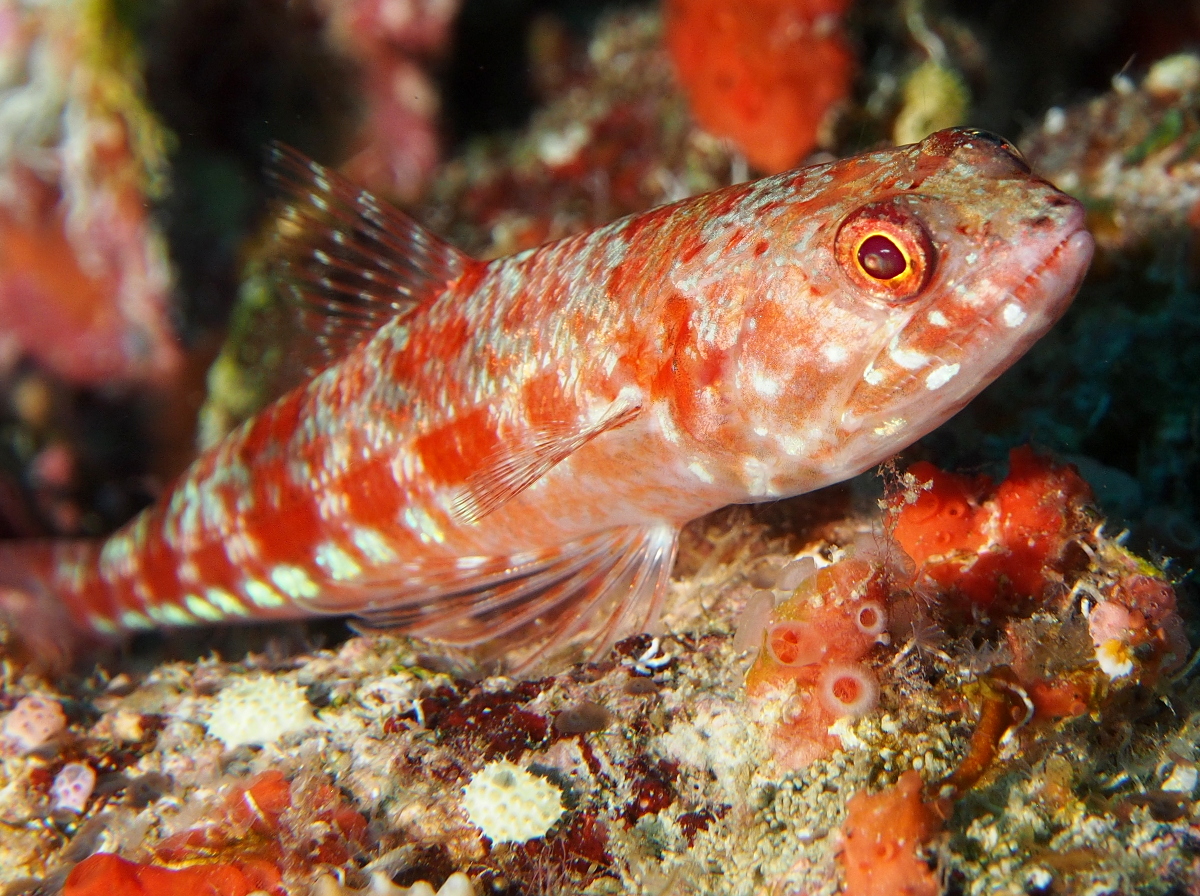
[41,621]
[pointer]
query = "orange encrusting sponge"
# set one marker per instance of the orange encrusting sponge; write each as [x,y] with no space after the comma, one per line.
[763,73]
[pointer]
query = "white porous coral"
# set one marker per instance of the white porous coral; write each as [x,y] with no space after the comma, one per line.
[457,884]
[258,711]
[509,804]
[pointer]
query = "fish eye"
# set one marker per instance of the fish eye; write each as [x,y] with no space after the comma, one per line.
[886,252]
[881,258]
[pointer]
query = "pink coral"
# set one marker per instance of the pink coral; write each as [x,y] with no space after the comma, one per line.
[32,722]
[72,787]
[397,145]
[1140,612]
[84,276]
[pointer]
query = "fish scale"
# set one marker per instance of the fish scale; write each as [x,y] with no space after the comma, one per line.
[503,453]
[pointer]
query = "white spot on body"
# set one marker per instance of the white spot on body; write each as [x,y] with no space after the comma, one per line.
[470,562]
[938,319]
[331,503]
[424,525]
[400,335]
[170,614]
[971,258]
[666,423]
[337,562]
[294,582]
[872,376]
[907,358]
[134,619]
[263,594]
[764,385]
[700,471]
[757,476]
[226,602]
[241,546]
[117,557]
[202,609]
[189,572]
[1013,315]
[373,545]
[942,375]
[890,427]
[834,353]
[142,591]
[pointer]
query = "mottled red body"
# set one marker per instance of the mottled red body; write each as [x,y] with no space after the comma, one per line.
[496,452]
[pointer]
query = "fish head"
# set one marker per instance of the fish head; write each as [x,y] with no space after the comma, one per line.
[928,271]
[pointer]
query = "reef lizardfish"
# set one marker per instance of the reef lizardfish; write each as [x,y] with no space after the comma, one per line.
[504,452]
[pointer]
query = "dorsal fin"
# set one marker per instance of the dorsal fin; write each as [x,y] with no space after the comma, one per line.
[351,261]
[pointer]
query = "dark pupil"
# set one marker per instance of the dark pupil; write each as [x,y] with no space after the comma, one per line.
[881,258]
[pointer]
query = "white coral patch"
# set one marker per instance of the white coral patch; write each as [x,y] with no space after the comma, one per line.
[457,884]
[1115,658]
[258,711]
[509,804]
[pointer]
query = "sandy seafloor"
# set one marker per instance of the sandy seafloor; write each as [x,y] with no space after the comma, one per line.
[671,777]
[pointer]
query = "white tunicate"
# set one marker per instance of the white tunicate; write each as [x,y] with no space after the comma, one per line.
[753,621]
[793,574]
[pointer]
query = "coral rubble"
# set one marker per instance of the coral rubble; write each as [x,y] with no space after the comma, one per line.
[969,696]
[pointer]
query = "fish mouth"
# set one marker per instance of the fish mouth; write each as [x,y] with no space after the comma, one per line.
[1060,274]
[997,343]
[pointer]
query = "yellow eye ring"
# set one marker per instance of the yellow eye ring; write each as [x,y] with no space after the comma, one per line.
[885,251]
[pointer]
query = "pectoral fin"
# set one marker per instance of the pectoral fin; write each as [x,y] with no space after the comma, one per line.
[512,470]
